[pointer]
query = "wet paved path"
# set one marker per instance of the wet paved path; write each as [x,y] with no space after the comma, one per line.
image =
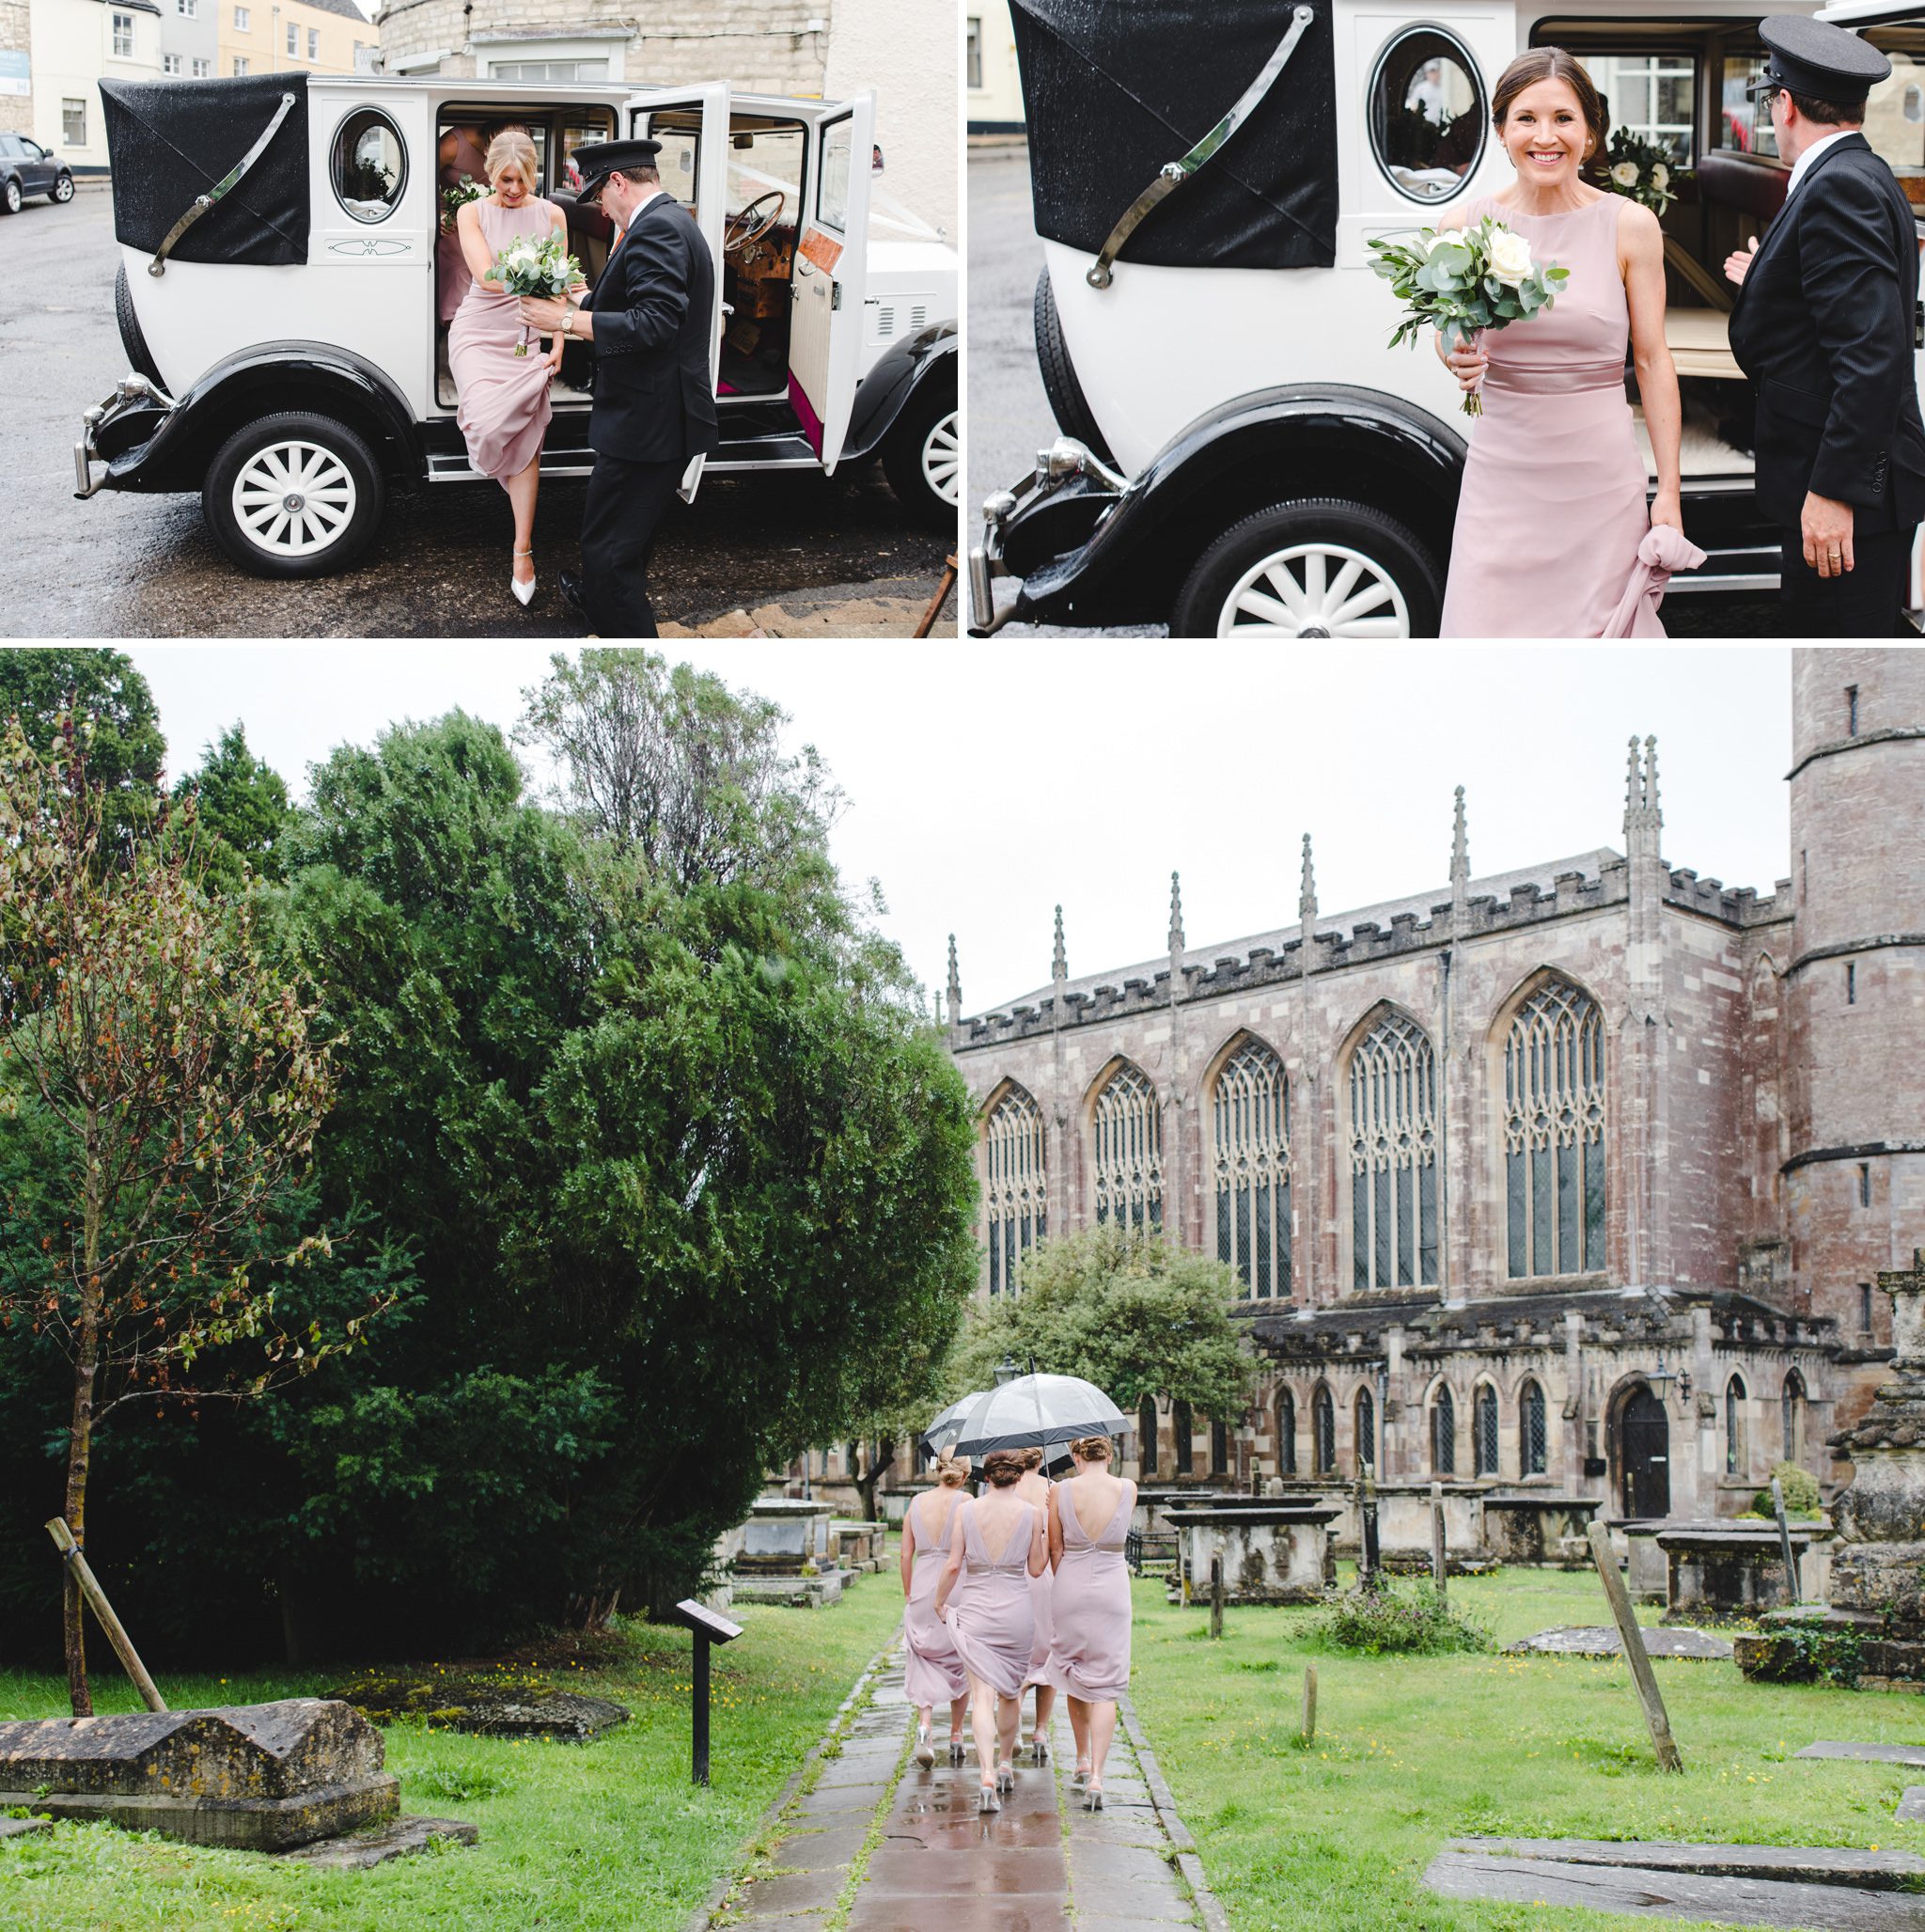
[881,1845]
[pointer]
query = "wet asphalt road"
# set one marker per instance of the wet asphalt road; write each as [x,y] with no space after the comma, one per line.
[1009,417]
[122,565]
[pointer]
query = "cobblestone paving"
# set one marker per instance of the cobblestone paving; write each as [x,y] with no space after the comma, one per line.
[881,1845]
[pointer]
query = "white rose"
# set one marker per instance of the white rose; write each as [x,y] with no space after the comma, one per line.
[1625,174]
[1660,177]
[1510,258]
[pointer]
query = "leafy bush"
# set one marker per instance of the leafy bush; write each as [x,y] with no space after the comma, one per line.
[1809,1654]
[1801,1492]
[1382,1621]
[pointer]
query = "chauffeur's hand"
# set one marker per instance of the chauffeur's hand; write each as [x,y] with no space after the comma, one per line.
[1826,526]
[543,312]
[1738,262]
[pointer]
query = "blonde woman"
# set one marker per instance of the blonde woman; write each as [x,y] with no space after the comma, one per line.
[997,1544]
[1089,1655]
[504,408]
[1035,1487]
[933,1670]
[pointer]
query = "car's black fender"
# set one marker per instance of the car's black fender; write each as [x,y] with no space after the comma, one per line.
[1133,551]
[929,357]
[263,380]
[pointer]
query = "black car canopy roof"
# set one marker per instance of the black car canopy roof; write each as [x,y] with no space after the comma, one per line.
[1116,89]
[171,141]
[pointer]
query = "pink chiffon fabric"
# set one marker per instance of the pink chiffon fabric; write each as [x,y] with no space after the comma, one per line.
[1090,1658]
[504,407]
[1662,554]
[1553,505]
[990,1611]
[933,1672]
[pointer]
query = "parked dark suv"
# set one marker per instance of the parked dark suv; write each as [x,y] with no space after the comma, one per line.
[28,169]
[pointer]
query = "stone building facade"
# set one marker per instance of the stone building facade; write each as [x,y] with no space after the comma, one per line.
[1576,1177]
[16,67]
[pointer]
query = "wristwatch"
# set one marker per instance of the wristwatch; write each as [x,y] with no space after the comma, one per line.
[567,321]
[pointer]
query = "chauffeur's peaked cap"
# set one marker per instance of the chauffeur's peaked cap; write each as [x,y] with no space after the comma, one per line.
[1818,60]
[598,160]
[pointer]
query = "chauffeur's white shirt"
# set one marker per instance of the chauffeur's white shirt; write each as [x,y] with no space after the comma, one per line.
[1811,154]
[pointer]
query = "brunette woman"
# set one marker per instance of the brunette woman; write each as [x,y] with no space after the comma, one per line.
[933,1669]
[1089,1660]
[1036,1488]
[997,1544]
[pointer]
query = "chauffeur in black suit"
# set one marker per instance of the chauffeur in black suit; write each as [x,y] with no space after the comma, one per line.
[1824,327]
[649,318]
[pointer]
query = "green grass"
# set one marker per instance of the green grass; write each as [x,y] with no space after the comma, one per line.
[606,1835]
[1411,1750]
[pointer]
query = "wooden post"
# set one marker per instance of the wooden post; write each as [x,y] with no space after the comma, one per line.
[1778,1504]
[1310,1705]
[1635,1652]
[91,1588]
[1216,1596]
[1440,1552]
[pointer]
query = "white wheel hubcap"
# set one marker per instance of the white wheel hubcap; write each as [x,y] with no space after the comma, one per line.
[292,499]
[941,457]
[1315,591]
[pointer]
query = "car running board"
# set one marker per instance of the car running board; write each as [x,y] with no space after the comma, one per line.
[158,266]
[1176,173]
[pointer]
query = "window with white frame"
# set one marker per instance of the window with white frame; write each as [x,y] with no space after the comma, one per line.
[242,65]
[973,58]
[190,9]
[314,43]
[73,123]
[549,69]
[1651,95]
[293,42]
[123,36]
[1253,1172]
[1017,1189]
[170,63]
[244,20]
[203,69]
[1553,1133]
[1393,1158]
[1129,1151]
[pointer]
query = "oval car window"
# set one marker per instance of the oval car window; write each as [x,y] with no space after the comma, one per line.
[1428,116]
[371,165]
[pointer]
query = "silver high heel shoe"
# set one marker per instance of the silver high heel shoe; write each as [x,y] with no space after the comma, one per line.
[1005,1778]
[1092,1797]
[1080,1777]
[987,1800]
[956,1752]
[925,1750]
[1039,1749]
[525,593]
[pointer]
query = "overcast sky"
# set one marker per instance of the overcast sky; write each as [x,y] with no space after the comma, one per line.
[988,782]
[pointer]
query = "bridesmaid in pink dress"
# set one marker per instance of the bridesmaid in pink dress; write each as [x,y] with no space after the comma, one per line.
[933,1672]
[997,1544]
[1036,1488]
[1090,1659]
[504,408]
[460,154]
[1553,505]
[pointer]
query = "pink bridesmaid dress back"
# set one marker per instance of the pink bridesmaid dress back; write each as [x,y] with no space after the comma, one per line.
[504,407]
[1552,507]
[989,1614]
[933,1672]
[1090,1656]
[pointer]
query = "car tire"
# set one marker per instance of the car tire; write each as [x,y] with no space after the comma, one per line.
[1066,402]
[922,455]
[314,462]
[62,190]
[139,356]
[1318,567]
[10,196]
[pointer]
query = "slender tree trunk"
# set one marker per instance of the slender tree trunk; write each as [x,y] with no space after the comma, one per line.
[80,1442]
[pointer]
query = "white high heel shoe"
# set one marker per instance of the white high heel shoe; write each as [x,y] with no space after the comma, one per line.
[925,1750]
[525,593]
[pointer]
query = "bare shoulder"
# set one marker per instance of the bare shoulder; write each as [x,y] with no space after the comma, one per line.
[1637,228]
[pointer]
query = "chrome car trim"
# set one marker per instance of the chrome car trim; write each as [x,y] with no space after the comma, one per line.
[158,266]
[1065,458]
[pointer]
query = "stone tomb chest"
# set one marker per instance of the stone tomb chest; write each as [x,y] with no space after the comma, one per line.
[255,1777]
[1731,1569]
[782,1535]
[1275,1552]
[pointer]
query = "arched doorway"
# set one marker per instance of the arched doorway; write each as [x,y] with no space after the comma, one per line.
[1644,1437]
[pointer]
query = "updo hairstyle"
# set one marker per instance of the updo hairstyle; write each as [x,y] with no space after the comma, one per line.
[1551,64]
[1032,1459]
[1002,1468]
[512,144]
[1090,1449]
[952,1471]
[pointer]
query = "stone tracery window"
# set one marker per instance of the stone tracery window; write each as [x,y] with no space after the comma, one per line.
[1553,1133]
[1484,1451]
[1793,1403]
[1183,1428]
[1146,1437]
[1018,1190]
[1393,1158]
[1129,1151]
[1734,1426]
[1253,1170]
[1532,1445]
[1444,1433]
[1366,1431]
[1323,1430]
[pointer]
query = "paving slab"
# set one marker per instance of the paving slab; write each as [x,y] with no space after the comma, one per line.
[1599,1640]
[1644,1893]
[816,1851]
[794,1892]
[399,1838]
[1820,1864]
[1868,1753]
[19,1827]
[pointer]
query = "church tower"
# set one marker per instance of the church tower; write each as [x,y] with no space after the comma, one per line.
[1855,986]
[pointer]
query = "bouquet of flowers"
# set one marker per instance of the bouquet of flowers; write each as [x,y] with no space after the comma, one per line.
[532,267]
[466,189]
[1462,281]
[1642,169]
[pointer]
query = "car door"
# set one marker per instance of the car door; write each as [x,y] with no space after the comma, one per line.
[36,167]
[692,124]
[832,279]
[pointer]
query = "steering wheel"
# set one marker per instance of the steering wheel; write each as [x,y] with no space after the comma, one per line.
[747,223]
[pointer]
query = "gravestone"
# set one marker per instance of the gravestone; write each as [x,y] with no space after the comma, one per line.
[786,1555]
[1599,1640]
[19,1827]
[1719,1570]
[568,1716]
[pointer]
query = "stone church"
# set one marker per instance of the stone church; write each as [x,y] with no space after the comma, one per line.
[1577,1177]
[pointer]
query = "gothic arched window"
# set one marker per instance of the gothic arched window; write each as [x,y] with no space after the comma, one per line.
[1323,1431]
[1734,1426]
[1553,1133]
[1219,1447]
[1253,1169]
[1183,1429]
[1366,1431]
[1017,1192]
[1129,1151]
[1444,1433]
[1286,1432]
[1393,1158]
[1792,1404]
[1532,1446]
[1146,1437]
[1484,1454]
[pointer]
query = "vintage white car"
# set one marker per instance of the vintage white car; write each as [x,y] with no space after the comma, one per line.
[278,304]
[1243,454]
